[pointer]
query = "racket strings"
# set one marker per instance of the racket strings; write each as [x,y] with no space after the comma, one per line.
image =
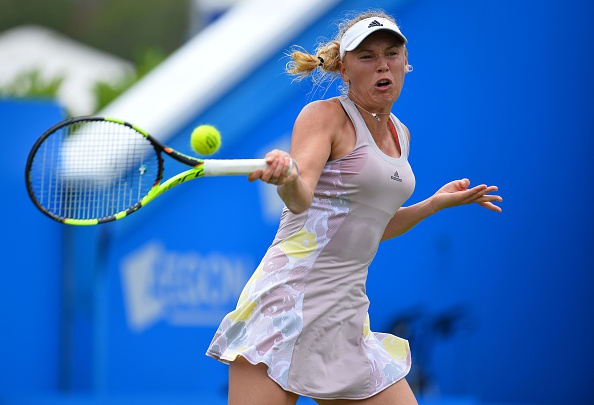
[93,170]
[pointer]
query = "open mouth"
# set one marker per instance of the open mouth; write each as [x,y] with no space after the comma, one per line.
[383,83]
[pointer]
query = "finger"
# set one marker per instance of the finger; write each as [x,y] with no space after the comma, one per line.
[293,171]
[463,183]
[471,195]
[270,174]
[491,199]
[491,189]
[481,198]
[487,201]
[255,175]
[279,168]
[490,206]
[286,168]
[485,195]
[481,191]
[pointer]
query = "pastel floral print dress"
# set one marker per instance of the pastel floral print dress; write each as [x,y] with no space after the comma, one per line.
[304,311]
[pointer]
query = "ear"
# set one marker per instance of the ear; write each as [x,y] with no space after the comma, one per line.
[407,67]
[343,71]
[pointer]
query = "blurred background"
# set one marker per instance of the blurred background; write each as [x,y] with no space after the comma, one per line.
[498,308]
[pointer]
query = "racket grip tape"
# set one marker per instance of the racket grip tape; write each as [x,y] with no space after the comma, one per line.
[229,167]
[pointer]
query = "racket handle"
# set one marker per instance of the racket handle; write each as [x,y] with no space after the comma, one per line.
[229,167]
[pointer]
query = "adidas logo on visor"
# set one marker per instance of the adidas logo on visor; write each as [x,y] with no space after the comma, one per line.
[375,23]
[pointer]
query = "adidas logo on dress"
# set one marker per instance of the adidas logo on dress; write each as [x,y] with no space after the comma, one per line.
[396,177]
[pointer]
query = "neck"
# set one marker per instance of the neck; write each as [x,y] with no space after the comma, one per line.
[373,114]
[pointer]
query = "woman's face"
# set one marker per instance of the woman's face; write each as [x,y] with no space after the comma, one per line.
[375,69]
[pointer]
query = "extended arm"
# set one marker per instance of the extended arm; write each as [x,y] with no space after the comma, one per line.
[452,194]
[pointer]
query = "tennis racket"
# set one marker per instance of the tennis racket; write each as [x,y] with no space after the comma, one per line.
[92,170]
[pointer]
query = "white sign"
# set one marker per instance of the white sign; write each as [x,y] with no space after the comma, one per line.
[187,288]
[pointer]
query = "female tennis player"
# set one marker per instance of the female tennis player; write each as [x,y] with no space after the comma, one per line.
[301,326]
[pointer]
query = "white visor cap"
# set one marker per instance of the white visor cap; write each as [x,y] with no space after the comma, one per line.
[361,30]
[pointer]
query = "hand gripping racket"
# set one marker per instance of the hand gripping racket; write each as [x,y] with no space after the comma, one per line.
[91,170]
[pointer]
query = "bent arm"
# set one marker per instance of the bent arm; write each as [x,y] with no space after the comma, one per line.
[314,134]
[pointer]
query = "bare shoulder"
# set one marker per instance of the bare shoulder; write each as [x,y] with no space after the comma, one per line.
[328,122]
[325,118]
[326,112]
[315,137]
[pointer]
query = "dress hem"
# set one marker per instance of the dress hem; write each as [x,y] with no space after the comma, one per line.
[220,358]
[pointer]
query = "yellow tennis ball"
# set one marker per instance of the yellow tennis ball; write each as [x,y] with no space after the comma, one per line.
[205,139]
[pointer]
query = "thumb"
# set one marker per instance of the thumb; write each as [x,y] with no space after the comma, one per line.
[464,183]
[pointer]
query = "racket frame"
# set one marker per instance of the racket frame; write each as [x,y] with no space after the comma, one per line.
[217,168]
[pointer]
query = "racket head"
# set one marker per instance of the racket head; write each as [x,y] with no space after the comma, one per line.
[90,170]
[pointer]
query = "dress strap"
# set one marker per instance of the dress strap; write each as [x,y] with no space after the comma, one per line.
[395,135]
[401,135]
[358,122]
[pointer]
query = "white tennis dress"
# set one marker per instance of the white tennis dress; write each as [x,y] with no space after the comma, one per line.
[304,310]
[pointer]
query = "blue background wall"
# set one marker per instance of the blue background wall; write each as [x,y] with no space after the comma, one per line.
[30,268]
[498,307]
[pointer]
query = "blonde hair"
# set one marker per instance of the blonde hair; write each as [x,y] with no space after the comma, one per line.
[327,55]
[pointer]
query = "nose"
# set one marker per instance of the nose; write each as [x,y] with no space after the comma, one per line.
[382,63]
